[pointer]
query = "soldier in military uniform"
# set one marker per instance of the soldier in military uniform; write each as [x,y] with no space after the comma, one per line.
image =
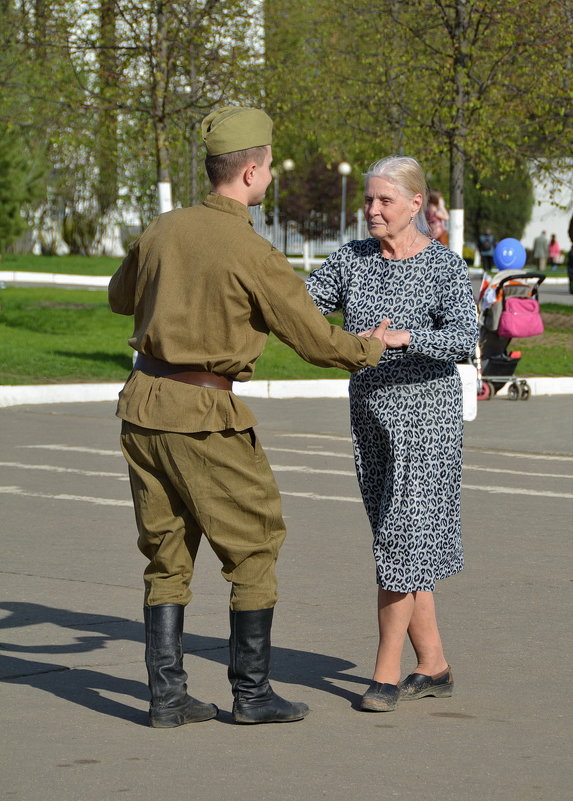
[205,290]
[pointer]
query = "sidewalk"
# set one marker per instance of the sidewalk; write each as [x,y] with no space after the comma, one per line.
[74,696]
[12,395]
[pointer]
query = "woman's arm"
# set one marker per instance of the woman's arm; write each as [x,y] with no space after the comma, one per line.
[456,329]
[325,285]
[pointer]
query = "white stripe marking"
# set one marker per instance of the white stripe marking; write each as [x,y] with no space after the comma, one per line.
[516,472]
[75,449]
[55,469]
[314,497]
[521,455]
[309,495]
[310,453]
[517,491]
[62,497]
[303,469]
[285,468]
[102,452]
[275,467]
[319,436]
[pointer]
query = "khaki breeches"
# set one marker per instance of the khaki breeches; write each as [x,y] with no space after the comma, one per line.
[219,484]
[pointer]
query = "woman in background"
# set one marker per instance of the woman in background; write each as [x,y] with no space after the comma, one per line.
[554,252]
[437,217]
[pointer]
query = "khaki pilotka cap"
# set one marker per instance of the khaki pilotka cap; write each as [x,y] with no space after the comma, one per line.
[236,128]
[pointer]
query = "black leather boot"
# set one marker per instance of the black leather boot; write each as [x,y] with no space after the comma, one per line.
[249,666]
[170,704]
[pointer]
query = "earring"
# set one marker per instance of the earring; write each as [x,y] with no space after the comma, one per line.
[411,219]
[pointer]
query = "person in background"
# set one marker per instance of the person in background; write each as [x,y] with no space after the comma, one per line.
[437,217]
[205,290]
[486,245]
[406,416]
[541,251]
[570,257]
[554,252]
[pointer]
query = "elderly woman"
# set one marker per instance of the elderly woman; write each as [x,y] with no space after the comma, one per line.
[406,416]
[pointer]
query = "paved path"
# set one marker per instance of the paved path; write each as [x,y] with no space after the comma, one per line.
[550,291]
[74,698]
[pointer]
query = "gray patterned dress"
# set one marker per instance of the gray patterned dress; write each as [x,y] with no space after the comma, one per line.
[406,413]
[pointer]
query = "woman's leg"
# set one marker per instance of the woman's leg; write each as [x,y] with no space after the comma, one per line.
[394,614]
[425,636]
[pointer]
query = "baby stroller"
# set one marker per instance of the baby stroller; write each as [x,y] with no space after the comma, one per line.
[508,307]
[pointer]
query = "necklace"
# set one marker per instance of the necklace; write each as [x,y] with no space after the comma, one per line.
[406,254]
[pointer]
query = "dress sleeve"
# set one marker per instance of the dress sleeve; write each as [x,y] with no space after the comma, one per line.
[325,285]
[289,312]
[455,330]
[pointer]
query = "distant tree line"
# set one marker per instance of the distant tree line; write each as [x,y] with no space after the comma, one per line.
[478,90]
[107,97]
[101,103]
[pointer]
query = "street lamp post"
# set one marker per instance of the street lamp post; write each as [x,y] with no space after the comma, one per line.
[287,166]
[344,170]
[275,174]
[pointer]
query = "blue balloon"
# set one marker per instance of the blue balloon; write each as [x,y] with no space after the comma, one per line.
[509,254]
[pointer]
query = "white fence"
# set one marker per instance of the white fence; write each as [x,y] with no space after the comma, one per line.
[290,241]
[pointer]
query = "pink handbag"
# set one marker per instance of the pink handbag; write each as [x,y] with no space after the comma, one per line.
[520,318]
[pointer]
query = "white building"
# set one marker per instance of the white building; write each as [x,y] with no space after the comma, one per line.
[552,210]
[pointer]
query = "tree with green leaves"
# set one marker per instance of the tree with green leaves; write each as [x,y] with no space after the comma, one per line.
[502,202]
[22,183]
[173,62]
[459,84]
[112,93]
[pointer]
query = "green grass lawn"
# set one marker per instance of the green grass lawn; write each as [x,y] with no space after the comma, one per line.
[68,265]
[104,265]
[65,336]
[54,335]
[58,336]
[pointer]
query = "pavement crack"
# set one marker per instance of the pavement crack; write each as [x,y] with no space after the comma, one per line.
[69,580]
[55,669]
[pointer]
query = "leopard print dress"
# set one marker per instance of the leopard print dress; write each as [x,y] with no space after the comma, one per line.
[406,413]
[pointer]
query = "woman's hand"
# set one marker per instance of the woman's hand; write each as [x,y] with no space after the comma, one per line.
[397,339]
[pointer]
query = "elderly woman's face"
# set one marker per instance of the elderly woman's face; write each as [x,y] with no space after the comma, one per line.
[386,209]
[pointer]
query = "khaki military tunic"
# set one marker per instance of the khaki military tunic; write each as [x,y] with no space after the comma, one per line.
[205,290]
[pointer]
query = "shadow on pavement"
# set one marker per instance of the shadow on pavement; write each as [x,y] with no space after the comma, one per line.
[85,686]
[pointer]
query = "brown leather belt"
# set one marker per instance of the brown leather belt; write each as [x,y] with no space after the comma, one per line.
[178,372]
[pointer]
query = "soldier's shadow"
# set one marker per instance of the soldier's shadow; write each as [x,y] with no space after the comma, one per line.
[93,688]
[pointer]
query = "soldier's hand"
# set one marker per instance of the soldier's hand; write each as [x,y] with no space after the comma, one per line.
[378,332]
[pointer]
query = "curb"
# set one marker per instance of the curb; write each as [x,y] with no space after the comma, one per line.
[16,395]
[101,281]
[11,395]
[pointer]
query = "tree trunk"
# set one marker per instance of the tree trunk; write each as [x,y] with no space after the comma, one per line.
[107,143]
[193,166]
[457,157]
[40,29]
[160,84]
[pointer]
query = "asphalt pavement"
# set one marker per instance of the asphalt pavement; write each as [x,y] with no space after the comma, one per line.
[74,696]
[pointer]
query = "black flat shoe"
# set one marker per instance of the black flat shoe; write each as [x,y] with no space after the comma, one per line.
[417,685]
[380,697]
